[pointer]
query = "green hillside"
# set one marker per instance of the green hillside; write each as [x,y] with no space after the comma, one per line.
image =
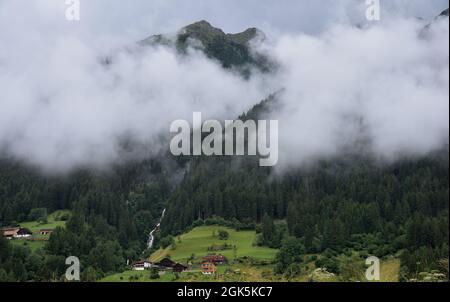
[199,239]
[38,241]
[53,220]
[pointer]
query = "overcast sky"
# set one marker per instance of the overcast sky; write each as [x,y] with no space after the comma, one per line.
[236,15]
[138,18]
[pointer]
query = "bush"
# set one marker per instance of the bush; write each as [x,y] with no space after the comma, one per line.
[154,274]
[63,217]
[290,252]
[197,223]
[330,264]
[175,276]
[166,241]
[223,235]
[293,270]
[258,229]
[134,278]
[259,240]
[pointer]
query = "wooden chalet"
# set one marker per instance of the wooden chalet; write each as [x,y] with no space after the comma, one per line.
[166,263]
[178,268]
[16,232]
[208,268]
[216,259]
[10,233]
[142,265]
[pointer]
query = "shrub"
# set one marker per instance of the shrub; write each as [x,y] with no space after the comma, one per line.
[154,274]
[330,264]
[223,235]
[166,241]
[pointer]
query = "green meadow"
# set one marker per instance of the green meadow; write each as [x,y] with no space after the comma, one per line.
[52,222]
[137,276]
[196,242]
[33,245]
[199,239]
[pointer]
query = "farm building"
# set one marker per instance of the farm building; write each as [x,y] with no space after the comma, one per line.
[142,265]
[45,231]
[178,268]
[208,268]
[166,263]
[16,232]
[9,233]
[24,233]
[216,259]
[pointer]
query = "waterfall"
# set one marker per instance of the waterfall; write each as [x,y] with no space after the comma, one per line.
[151,238]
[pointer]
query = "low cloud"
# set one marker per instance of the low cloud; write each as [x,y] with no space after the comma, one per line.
[385,85]
[62,108]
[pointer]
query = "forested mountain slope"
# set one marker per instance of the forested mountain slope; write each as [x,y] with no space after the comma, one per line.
[349,202]
[335,204]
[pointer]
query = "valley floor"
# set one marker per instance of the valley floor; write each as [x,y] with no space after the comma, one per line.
[247,262]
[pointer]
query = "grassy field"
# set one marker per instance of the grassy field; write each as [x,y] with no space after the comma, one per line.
[390,270]
[34,226]
[137,276]
[245,273]
[197,242]
[52,222]
[225,273]
[33,245]
[199,239]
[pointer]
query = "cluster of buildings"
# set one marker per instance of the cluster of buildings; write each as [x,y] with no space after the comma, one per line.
[16,233]
[208,265]
[164,264]
[210,262]
[22,233]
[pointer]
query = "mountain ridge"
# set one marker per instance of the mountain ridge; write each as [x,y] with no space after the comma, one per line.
[232,50]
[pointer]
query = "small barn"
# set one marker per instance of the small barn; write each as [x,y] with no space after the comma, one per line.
[216,259]
[178,268]
[45,231]
[166,263]
[24,233]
